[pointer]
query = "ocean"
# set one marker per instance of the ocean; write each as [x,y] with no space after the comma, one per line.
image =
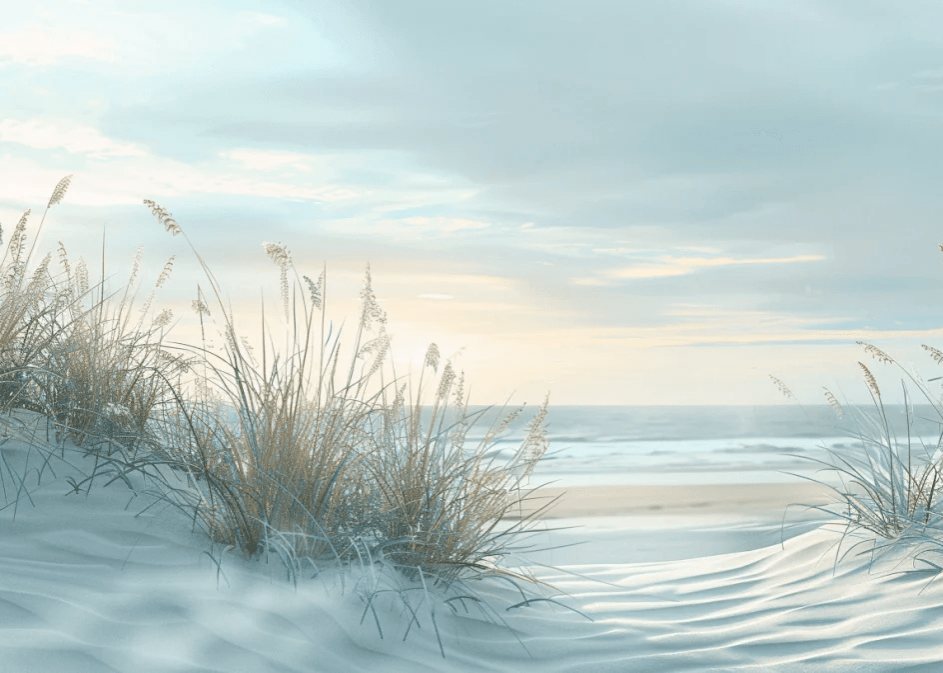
[690,445]
[629,445]
[663,445]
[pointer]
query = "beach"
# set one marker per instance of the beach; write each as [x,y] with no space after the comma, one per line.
[675,499]
[100,582]
[624,524]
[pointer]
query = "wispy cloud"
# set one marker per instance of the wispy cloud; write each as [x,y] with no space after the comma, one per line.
[262,20]
[44,46]
[113,183]
[442,223]
[680,266]
[65,134]
[260,160]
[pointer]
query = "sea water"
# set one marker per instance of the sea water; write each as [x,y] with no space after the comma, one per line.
[684,445]
[663,445]
[721,444]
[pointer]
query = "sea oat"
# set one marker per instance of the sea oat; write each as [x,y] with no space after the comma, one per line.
[59,192]
[508,420]
[460,390]
[831,400]
[782,387]
[371,309]
[382,349]
[876,352]
[937,355]
[279,254]
[492,434]
[249,349]
[39,280]
[136,266]
[81,277]
[445,384]
[163,319]
[199,307]
[164,217]
[315,289]
[869,377]
[165,274]
[432,357]
[535,444]
[64,259]
[18,246]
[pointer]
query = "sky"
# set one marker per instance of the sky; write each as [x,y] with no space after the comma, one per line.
[617,202]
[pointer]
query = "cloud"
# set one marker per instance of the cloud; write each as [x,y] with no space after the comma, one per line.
[261,19]
[590,282]
[262,160]
[43,46]
[67,135]
[442,223]
[477,282]
[928,74]
[649,271]
[120,183]
[371,222]
[681,266]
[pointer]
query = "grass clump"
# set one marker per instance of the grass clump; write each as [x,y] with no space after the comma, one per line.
[29,310]
[323,467]
[439,503]
[324,464]
[100,384]
[888,488]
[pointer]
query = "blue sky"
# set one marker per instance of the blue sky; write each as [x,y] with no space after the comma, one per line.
[617,202]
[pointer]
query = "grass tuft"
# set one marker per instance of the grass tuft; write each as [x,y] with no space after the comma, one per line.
[323,465]
[888,488]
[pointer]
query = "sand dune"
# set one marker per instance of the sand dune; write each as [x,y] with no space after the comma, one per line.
[91,584]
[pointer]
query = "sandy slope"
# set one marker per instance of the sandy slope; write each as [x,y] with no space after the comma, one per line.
[88,586]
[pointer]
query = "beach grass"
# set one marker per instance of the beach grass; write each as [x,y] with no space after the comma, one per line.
[888,499]
[329,464]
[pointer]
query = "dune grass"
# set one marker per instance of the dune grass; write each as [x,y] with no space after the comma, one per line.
[328,465]
[888,489]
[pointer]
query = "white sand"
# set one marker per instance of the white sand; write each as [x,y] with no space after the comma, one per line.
[88,586]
